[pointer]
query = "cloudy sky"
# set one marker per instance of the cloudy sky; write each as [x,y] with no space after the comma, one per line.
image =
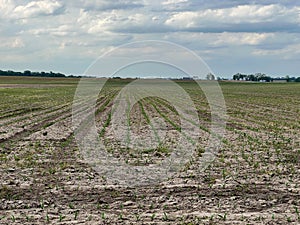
[230,35]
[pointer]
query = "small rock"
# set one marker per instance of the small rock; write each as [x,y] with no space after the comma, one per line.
[20,202]
[128,203]
[11,182]
[233,198]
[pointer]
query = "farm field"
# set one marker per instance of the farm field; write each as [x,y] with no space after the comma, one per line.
[255,178]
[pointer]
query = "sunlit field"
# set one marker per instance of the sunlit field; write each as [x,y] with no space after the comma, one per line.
[254,179]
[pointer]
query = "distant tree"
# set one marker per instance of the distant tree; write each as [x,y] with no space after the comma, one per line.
[240,76]
[263,77]
[251,77]
[236,76]
[288,79]
[10,73]
[267,79]
[27,73]
[210,76]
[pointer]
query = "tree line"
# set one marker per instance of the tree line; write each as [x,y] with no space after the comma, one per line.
[262,77]
[29,73]
[210,76]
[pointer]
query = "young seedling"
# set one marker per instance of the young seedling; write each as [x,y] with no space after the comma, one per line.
[61,217]
[76,214]
[138,217]
[223,217]
[165,217]
[297,212]
[153,216]
[71,206]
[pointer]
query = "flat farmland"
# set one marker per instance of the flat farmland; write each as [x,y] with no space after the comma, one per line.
[44,179]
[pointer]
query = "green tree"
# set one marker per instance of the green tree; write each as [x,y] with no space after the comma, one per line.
[210,76]
[27,73]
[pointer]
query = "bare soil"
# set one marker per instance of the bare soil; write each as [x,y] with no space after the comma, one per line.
[254,179]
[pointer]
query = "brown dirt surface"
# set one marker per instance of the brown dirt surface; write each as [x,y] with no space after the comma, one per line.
[253,180]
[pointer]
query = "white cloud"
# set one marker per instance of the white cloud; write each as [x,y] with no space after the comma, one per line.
[12,43]
[94,5]
[175,4]
[95,23]
[225,39]
[120,21]
[62,30]
[242,14]
[6,7]
[287,52]
[38,8]
[169,2]
[17,43]
[241,38]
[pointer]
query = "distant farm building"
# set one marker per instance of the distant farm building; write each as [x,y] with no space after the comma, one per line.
[279,80]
